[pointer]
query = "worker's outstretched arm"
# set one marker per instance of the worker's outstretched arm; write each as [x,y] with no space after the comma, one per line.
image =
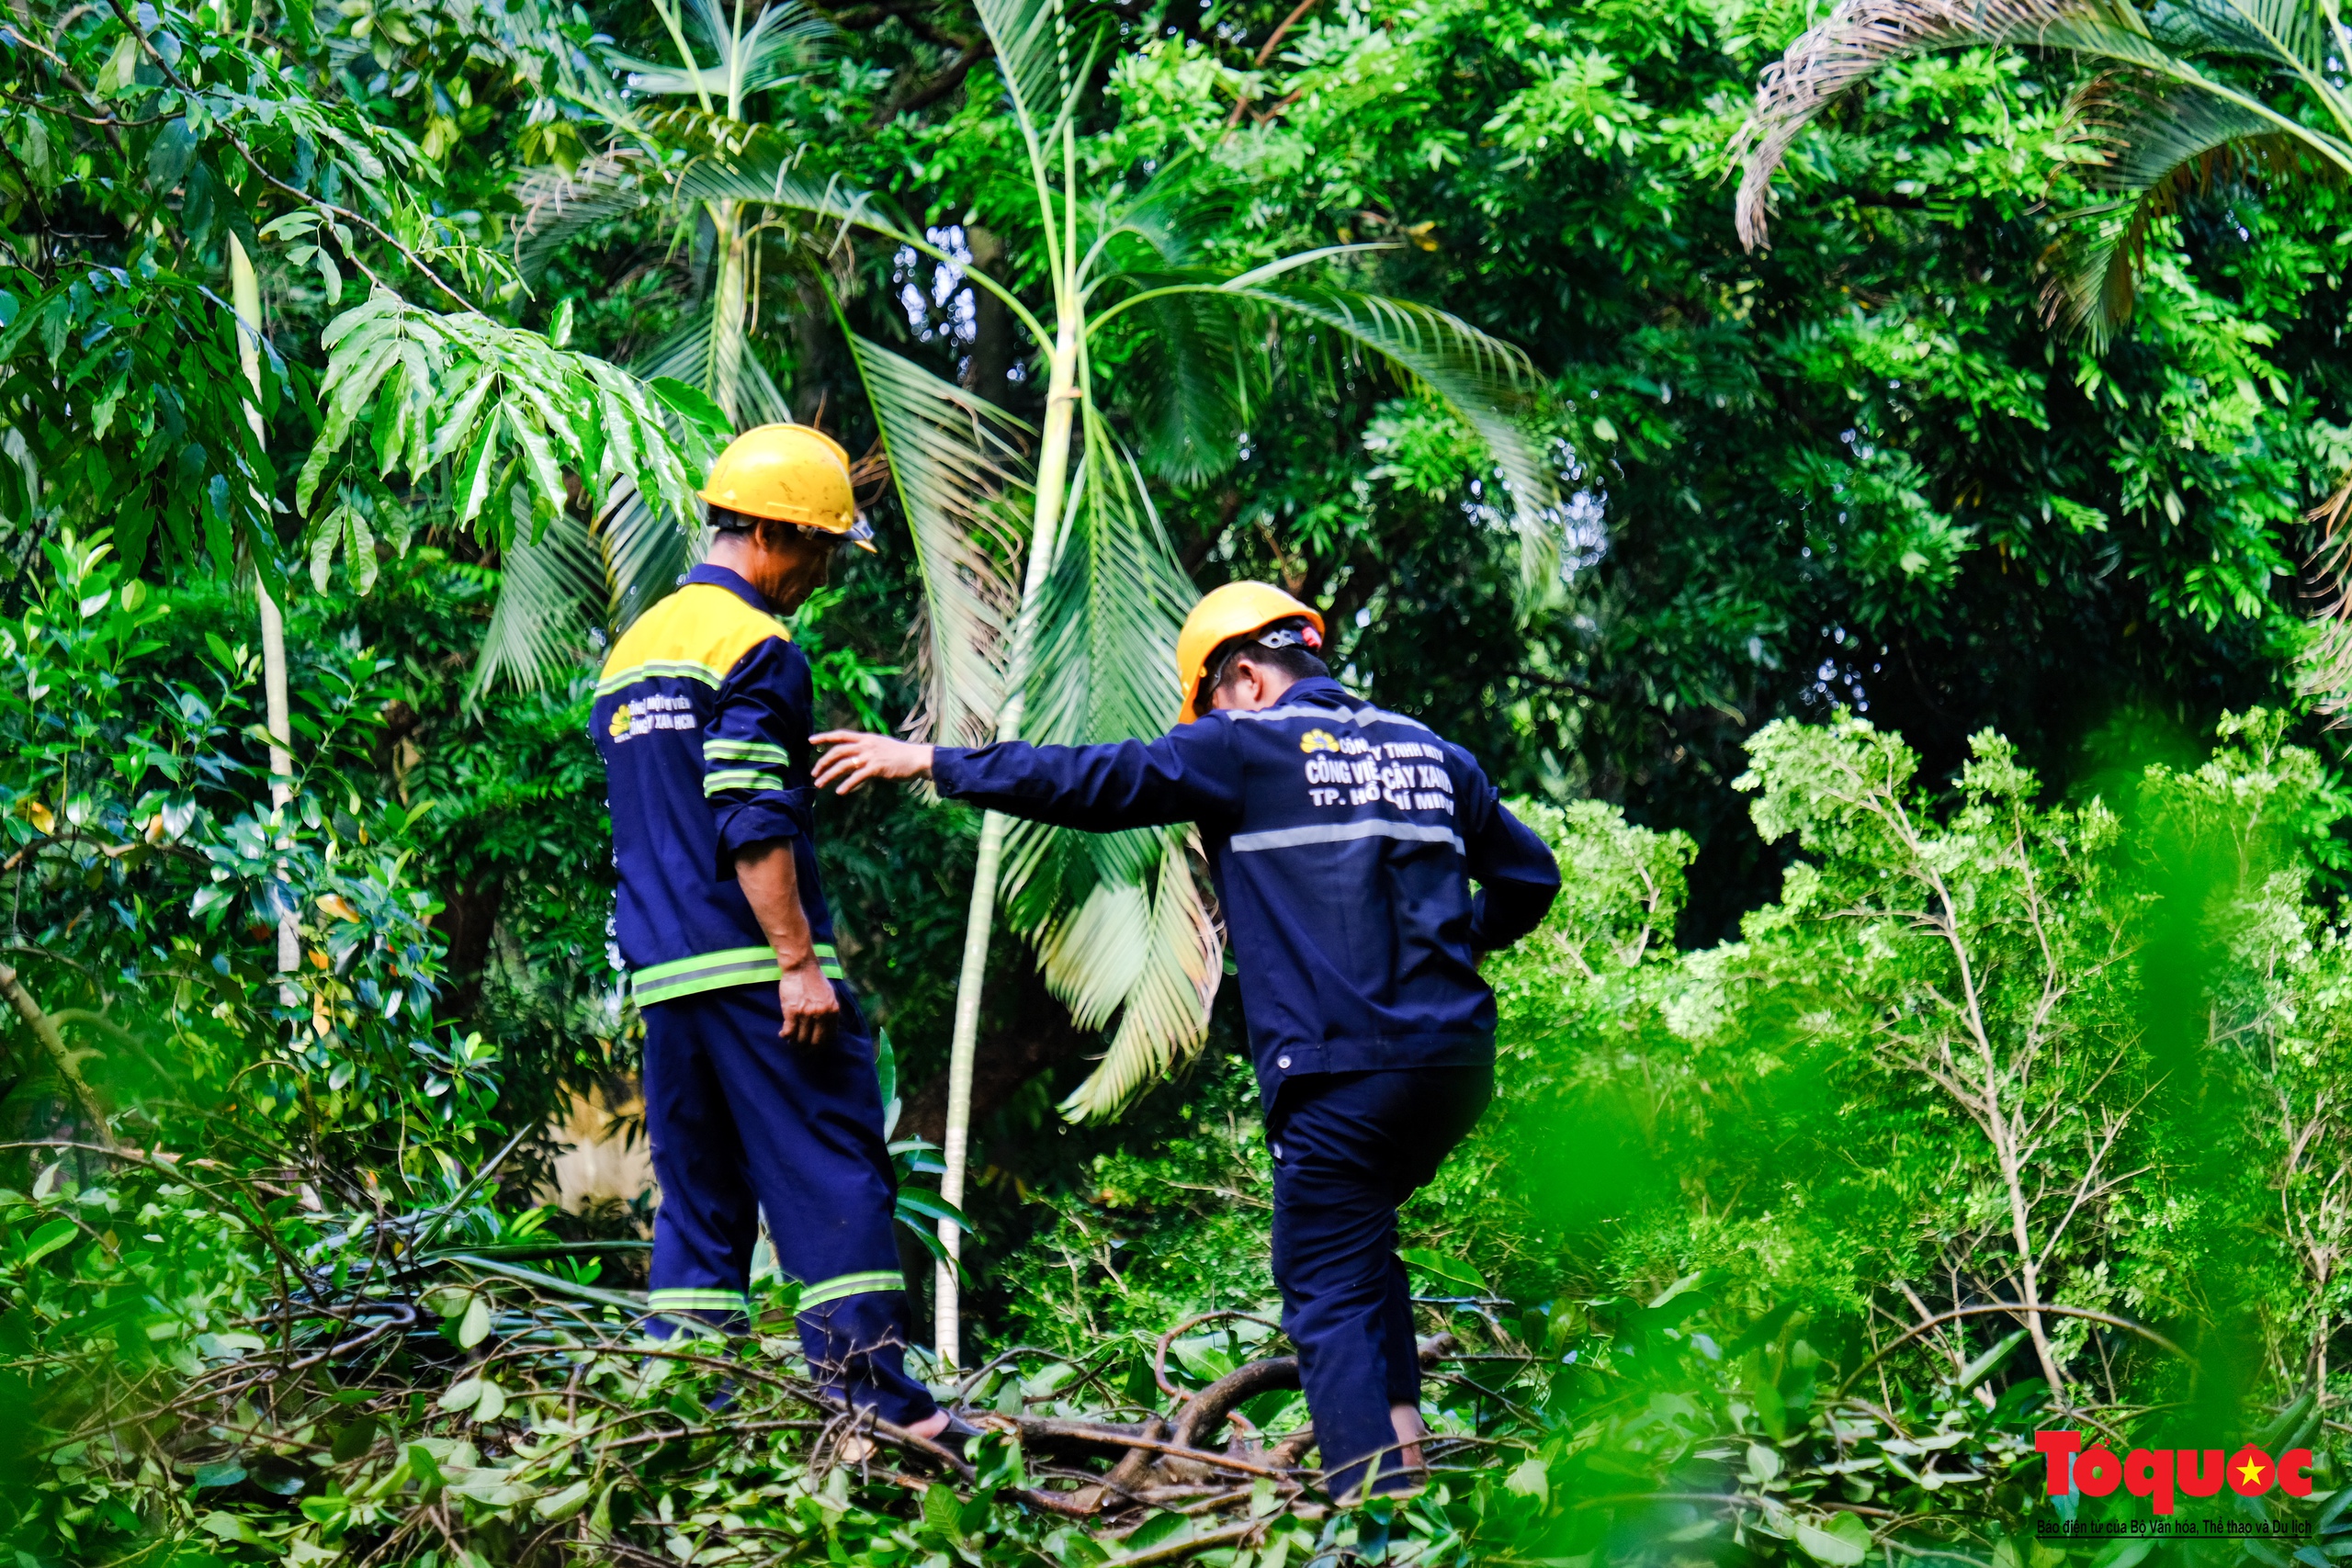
[1189,775]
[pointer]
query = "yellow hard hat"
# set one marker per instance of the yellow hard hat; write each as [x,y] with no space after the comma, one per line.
[789,473]
[1235,610]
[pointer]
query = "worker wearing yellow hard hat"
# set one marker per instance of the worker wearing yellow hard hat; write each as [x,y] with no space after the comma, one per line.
[759,1087]
[786,473]
[1235,611]
[1343,840]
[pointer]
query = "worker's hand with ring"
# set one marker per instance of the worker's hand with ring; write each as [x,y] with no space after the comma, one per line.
[852,757]
[811,1008]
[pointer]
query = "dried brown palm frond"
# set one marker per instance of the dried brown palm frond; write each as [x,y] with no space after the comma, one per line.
[2158,114]
[1856,38]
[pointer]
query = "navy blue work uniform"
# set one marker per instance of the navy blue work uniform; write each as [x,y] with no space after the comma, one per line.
[703,718]
[1342,840]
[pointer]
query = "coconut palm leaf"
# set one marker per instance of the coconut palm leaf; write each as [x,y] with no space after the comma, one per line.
[641,557]
[2156,142]
[783,41]
[955,469]
[1191,395]
[558,204]
[1036,49]
[1119,925]
[550,581]
[1166,1001]
[1481,379]
[1860,36]
[714,358]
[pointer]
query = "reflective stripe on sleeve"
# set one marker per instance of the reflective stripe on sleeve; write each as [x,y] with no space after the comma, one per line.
[1339,832]
[715,971]
[739,778]
[699,1301]
[747,752]
[842,1285]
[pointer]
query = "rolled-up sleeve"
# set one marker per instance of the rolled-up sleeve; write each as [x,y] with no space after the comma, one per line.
[755,751]
[1192,774]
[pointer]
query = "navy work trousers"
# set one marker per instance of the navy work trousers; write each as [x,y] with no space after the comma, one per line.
[743,1120]
[1350,1147]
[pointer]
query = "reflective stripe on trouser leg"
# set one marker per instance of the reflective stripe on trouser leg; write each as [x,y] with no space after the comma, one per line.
[808,1123]
[854,1331]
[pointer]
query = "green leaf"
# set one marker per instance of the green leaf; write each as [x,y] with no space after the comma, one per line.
[120,69]
[689,403]
[473,479]
[1844,1544]
[46,1240]
[475,1327]
[1978,1370]
[1443,1269]
[169,154]
[355,1440]
[563,1504]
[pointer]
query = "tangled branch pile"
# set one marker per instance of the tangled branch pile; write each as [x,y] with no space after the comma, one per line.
[447,1384]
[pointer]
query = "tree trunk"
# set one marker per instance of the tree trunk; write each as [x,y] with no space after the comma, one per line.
[730,295]
[1053,475]
[245,292]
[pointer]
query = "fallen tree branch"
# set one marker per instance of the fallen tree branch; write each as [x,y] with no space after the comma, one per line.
[53,1042]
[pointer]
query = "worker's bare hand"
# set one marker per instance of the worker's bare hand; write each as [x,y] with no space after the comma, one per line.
[852,757]
[811,1008]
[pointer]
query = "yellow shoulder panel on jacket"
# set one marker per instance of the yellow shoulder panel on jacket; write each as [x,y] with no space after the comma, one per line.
[698,633]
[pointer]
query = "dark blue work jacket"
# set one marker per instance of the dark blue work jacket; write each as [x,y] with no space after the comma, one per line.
[1342,840]
[702,716]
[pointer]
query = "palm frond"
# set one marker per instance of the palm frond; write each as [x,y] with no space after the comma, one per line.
[557,205]
[1166,1003]
[714,358]
[548,587]
[2324,669]
[1036,53]
[955,468]
[1189,394]
[1184,204]
[766,171]
[1478,377]
[784,42]
[1141,943]
[2274,31]
[1858,37]
[2155,141]
[1093,957]
[643,555]
[784,45]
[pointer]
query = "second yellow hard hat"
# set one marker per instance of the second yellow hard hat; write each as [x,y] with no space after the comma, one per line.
[789,473]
